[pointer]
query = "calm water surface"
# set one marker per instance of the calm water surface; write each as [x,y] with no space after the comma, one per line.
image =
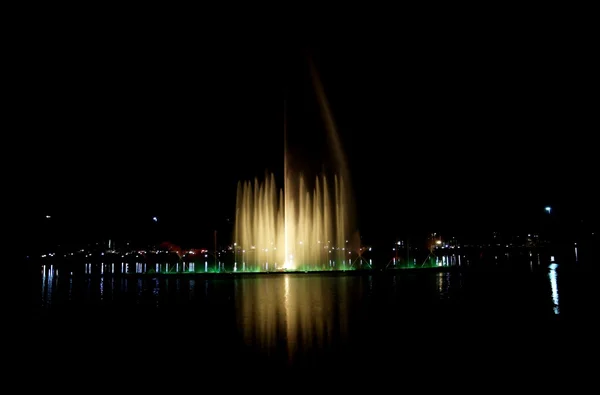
[320,321]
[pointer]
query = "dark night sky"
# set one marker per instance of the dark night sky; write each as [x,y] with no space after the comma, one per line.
[444,129]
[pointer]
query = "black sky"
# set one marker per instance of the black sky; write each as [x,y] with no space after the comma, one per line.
[452,129]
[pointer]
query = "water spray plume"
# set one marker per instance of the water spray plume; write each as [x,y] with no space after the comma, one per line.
[301,226]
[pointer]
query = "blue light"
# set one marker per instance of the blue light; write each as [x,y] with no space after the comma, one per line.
[548,209]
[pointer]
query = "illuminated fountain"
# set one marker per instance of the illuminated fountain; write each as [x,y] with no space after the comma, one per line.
[295,227]
[306,225]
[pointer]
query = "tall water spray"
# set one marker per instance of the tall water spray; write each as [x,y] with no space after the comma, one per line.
[306,225]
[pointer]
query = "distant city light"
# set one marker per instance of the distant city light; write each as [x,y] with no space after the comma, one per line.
[548,209]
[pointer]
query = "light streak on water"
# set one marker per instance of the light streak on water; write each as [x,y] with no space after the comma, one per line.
[554,286]
[192,292]
[43,284]
[440,283]
[156,291]
[112,288]
[140,289]
[50,285]
[102,288]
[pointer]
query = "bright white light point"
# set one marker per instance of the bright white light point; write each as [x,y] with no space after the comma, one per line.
[47,216]
[548,209]
[154,219]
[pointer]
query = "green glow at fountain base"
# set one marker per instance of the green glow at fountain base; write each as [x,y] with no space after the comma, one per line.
[239,268]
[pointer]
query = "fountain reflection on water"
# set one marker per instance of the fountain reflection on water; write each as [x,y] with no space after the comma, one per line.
[305,312]
[300,318]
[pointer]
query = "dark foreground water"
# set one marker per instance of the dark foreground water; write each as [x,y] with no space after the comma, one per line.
[498,322]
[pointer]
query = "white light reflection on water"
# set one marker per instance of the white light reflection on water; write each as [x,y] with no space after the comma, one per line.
[102,288]
[140,289]
[156,291]
[88,289]
[50,285]
[112,289]
[43,284]
[192,292]
[554,286]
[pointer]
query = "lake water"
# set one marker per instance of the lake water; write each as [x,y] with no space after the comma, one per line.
[327,322]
